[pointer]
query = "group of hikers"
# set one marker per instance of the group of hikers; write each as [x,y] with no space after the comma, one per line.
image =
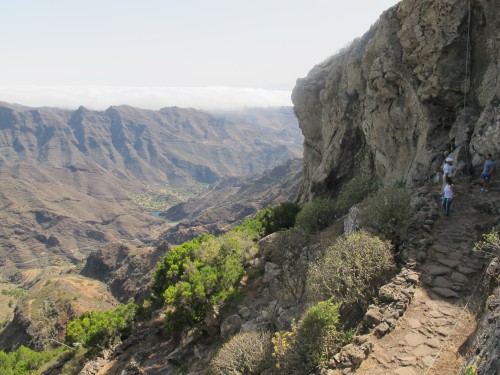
[448,189]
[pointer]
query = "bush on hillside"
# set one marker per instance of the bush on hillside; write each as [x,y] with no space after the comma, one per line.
[354,192]
[311,342]
[351,268]
[171,267]
[99,329]
[284,215]
[25,361]
[246,353]
[490,244]
[316,215]
[387,213]
[201,275]
[290,250]
[270,220]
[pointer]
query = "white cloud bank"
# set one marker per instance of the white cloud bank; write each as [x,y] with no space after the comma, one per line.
[101,97]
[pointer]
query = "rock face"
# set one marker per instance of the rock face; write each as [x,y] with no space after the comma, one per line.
[414,88]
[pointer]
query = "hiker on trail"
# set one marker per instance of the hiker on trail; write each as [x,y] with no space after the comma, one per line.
[488,169]
[449,193]
[447,169]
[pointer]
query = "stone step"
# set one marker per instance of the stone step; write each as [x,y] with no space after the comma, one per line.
[445,292]
[452,263]
[437,270]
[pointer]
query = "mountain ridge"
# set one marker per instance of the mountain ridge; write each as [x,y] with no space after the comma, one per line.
[72,176]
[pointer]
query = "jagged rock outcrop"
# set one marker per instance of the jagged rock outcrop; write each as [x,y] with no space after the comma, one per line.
[418,85]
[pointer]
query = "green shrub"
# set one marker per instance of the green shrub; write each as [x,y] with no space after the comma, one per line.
[387,212]
[246,353]
[270,220]
[98,329]
[25,361]
[490,244]
[354,192]
[351,268]
[170,269]
[471,370]
[284,216]
[316,215]
[311,342]
[255,227]
[201,275]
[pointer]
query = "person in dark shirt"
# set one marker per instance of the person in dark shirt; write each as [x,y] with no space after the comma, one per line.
[488,169]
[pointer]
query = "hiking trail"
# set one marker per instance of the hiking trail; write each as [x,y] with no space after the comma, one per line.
[441,316]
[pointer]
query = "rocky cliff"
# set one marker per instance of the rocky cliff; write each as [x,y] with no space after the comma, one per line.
[421,83]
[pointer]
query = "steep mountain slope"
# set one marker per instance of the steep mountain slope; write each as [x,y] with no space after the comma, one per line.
[69,178]
[117,270]
[231,200]
[422,83]
[175,146]
[420,323]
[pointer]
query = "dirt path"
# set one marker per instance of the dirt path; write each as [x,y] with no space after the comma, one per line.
[440,318]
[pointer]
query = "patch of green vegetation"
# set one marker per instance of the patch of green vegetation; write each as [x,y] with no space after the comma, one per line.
[387,212]
[490,244]
[245,353]
[99,329]
[25,361]
[312,341]
[316,215]
[160,201]
[203,274]
[200,275]
[273,219]
[351,268]
[354,191]
[471,370]
[15,292]
[163,199]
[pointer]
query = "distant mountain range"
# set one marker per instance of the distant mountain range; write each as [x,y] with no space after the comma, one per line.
[173,145]
[69,178]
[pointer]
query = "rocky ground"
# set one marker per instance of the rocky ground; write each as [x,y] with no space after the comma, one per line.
[434,335]
[424,321]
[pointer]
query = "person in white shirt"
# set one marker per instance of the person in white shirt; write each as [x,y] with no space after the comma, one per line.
[448,170]
[449,194]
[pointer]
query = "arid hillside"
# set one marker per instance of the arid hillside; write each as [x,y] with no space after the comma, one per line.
[74,180]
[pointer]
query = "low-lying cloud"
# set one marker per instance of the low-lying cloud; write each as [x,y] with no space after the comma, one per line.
[101,97]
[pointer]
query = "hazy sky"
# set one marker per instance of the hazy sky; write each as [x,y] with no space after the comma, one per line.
[157,53]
